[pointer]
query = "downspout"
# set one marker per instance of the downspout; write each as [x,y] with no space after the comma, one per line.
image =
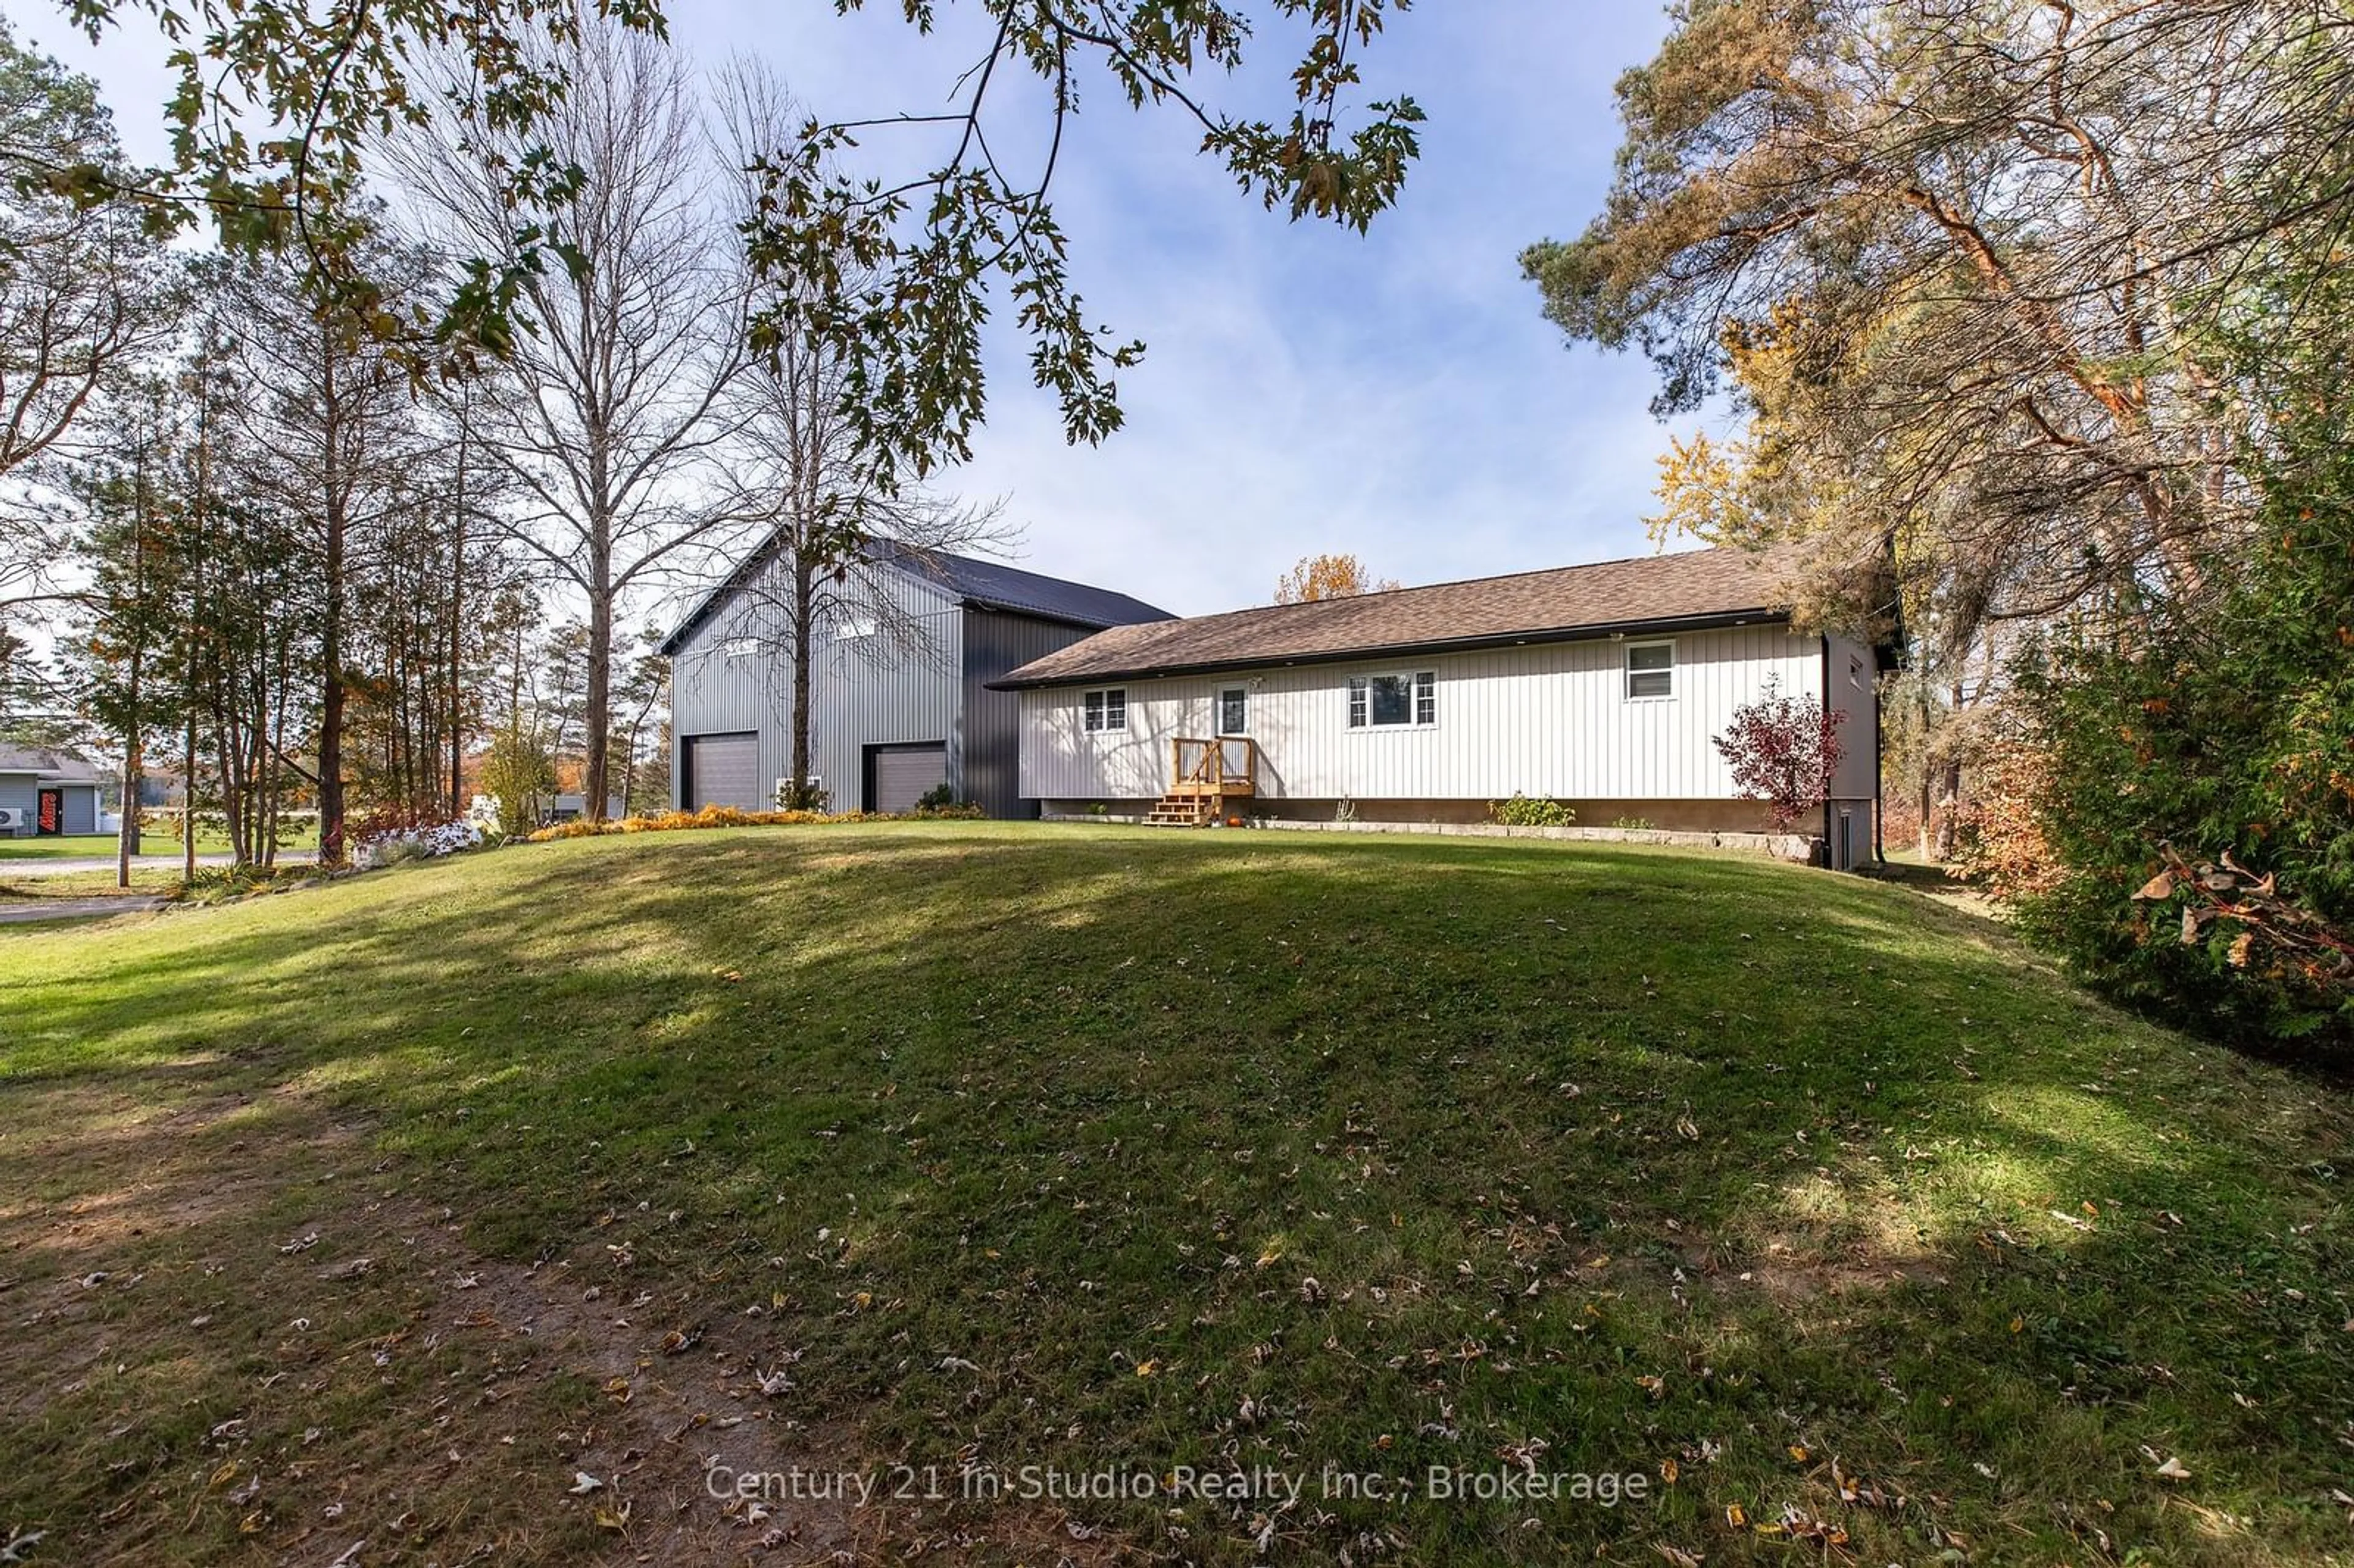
[1824,696]
[1879,760]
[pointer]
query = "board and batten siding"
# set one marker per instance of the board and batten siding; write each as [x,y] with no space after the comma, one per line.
[1546,719]
[862,692]
[995,643]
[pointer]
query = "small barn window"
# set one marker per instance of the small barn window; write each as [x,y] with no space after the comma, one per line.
[741,647]
[1650,669]
[1107,709]
[1383,702]
[1234,711]
[852,630]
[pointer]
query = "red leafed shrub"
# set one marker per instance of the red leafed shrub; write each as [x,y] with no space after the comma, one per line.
[1783,751]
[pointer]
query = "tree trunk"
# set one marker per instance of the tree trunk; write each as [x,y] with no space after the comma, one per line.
[126,842]
[331,623]
[598,721]
[805,590]
[1953,793]
[1927,769]
[127,834]
[189,802]
[456,622]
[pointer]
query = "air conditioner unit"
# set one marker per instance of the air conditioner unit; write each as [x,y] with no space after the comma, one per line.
[11,818]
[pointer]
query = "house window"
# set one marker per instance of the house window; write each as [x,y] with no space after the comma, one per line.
[1107,709]
[741,647]
[1234,711]
[851,630]
[1383,702]
[1855,672]
[1650,669]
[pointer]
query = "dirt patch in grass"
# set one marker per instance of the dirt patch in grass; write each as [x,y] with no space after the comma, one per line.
[240,1332]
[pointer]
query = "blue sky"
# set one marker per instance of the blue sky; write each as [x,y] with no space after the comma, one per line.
[1305,388]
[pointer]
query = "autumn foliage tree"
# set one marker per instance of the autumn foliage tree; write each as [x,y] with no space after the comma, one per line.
[1966,270]
[1782,750]
[1313,578]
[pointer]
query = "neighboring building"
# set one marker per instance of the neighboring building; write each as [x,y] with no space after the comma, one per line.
[1601,686]
[569,808]
[891,718]
[46,792]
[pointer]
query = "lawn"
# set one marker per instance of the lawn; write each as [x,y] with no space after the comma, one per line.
[507,1209]
[100,846]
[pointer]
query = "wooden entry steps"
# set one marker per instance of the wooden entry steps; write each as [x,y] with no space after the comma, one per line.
[1203,774]
[1182,811]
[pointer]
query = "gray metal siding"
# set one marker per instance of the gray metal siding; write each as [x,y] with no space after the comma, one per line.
[17,790]
[995,643]
[80,808]
[862,692]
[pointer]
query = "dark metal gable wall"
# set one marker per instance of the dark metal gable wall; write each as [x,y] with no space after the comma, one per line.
[996,642]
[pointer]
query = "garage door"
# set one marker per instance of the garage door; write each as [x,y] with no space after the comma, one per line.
[899,776]
[724,770]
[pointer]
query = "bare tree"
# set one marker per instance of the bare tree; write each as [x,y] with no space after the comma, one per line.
[333,410]
[838,545]
[78,280]
[83,295]
[615,393]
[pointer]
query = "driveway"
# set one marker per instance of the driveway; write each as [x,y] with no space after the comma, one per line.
[16,912]
[13,870]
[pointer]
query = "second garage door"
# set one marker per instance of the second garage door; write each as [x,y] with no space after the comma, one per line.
[899,776]
[724,770]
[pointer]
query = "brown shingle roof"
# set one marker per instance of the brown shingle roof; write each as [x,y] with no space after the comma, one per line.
[1566,602]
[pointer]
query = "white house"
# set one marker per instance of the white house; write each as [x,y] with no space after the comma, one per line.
[1601,686]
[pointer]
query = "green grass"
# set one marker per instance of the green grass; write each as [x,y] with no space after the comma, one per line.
[87,883]
[100,846]
[61,846]
[1090,1147]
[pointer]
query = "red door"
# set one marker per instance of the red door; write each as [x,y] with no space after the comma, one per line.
[51,817]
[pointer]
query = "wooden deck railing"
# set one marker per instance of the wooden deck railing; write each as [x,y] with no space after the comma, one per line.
[1228,765]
